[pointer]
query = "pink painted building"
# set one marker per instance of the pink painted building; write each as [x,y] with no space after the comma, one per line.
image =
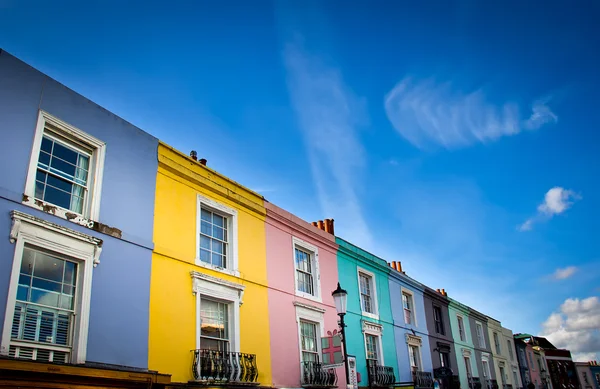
[302,273]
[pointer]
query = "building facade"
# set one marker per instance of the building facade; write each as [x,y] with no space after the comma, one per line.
[410,328]
[468,370]
[370,329]
[595,369]
[76,202]
[302,273]
[523,361]
[514,375]
[483,351]
[208,290]
[441,343]
[499,354]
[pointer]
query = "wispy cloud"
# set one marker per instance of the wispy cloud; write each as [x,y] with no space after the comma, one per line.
[564,273]
[556,201]
[329,115]
[429,113]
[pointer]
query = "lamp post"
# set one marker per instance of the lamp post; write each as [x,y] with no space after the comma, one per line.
[340,297]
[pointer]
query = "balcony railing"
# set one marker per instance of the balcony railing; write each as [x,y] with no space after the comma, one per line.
[491,384]
[380,376]
[314,375]
[507,386]
[455,384]
[474,383]
[223,367]
[422,379]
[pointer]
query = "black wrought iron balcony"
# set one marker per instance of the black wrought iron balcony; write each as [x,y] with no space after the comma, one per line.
[491,384]
[223,367]
[380,376]
[422,379]
[507,386]
[314,375]
[474,383]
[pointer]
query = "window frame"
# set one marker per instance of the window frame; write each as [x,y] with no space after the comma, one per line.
[531,361]
[441,321]
[374,301]
[231,216]
[78,247]
[316,271]
[91,209]
[497,344]
[468,365]
[230,325]
[309,313]
[413,314]
[480,339]
[510,350]
[217,289]
[462,335]
[375,330]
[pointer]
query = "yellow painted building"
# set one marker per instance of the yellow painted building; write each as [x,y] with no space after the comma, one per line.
[209,276]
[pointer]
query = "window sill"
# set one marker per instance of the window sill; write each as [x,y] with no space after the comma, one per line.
[371,315]
[307,296]
[57,211]
[205,265]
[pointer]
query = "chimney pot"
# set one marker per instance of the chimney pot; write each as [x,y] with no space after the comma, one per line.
[194,155]
[315,224]
[399,267]
[203,161]
[329,226]
[321,225]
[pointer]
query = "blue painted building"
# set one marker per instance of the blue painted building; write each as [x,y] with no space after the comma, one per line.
[370,329]
[76,221]
[410,328]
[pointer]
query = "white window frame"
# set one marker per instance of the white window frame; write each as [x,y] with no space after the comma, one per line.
[497,344]
[413,313]
[374,301]
[231,216]
[316,273]
[485,365]
[91,211]
[510,350]
[82,248]
[315,315]
[415,341]
[480,341]
[231,293]
[462,336]
[377,331]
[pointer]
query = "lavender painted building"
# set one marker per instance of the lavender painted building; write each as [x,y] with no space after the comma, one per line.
[76,221]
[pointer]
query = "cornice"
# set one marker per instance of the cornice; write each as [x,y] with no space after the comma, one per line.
[329,243]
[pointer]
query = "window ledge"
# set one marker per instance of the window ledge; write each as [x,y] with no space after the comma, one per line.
[57,211]
[371,315]
[223,270]
[309,297]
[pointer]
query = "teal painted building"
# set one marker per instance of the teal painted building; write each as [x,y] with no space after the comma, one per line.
[369,320]
[463,343]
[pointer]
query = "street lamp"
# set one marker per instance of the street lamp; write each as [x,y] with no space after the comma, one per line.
[340,297]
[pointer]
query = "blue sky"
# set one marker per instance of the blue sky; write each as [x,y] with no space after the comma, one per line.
[459,138]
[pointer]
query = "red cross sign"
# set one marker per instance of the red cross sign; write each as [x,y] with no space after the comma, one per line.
[332,349]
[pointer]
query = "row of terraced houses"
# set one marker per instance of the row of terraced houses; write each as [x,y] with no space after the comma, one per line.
[126,263]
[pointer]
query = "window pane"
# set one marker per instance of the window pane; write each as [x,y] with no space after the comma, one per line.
[218,220]
[62,168]
[22,293]
[217,260]
[48,267]
[204,242]
[59,183]
[205,255]
[70,276]
[214,322]
[43,297]
[57,197]
[206,228]
[64,153]
[46,285]
[218,233]
[46,145]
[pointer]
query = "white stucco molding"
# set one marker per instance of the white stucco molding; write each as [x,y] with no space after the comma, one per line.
[213,286]
[466,352]
[372,328]
[310,307]
[413,340]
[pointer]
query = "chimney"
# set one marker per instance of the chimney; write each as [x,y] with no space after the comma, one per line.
[439,291]
[444,292]
[399,266]
[315,224]
[194,155]
[203,161]
[329,226]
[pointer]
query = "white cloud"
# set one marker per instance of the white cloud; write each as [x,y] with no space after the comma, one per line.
[426,112]
[556,201]
[576,327]
[329,115]
[561,274]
